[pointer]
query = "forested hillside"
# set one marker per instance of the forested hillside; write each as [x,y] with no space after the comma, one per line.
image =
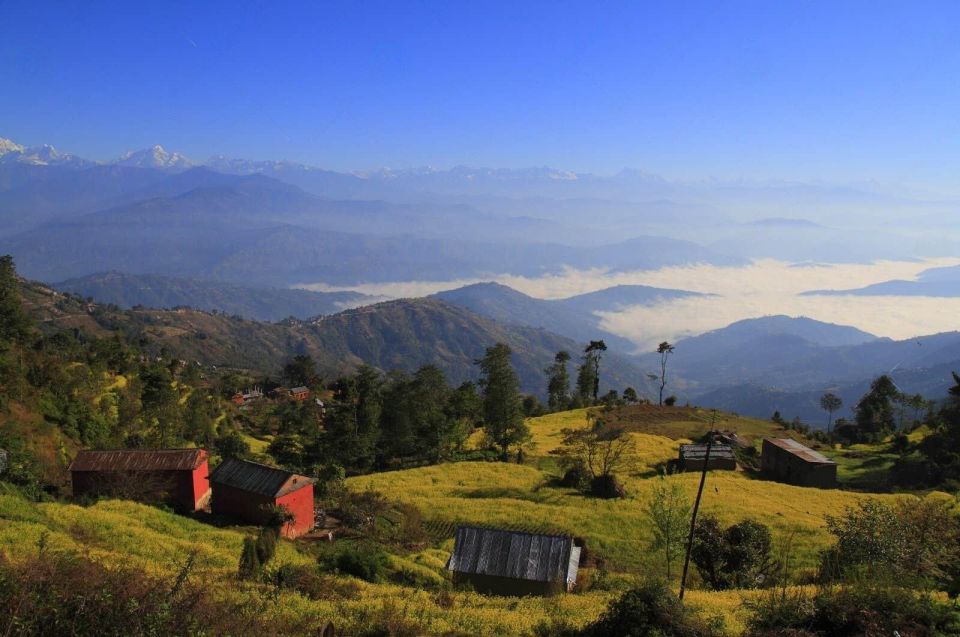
[404,334]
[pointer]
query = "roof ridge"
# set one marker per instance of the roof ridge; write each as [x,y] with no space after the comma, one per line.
[480,527]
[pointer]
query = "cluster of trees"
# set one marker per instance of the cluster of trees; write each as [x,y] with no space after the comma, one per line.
[883,410]
[379,421]
[586,391]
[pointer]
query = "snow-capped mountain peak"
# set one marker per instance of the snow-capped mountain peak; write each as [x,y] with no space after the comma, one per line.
[154,157]
[11,152]
[7,146]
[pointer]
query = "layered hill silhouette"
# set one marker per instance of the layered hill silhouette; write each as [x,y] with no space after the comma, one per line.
[574,316]
[62,223]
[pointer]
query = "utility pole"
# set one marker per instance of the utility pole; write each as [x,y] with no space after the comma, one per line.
[696,505]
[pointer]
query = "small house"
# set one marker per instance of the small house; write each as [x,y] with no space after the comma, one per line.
[693,456]
[300,393]
[248,490]
[786,460]
[499,562]
[247,397]
[174,476]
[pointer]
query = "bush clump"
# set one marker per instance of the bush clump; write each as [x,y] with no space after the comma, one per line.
[607,486]
[652,610]
[366,561]
[853,610]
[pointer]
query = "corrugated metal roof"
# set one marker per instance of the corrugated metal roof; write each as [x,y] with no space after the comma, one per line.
[139,460]
[699,451]
[525,556]
[299,390]
[257,478]
[799,450]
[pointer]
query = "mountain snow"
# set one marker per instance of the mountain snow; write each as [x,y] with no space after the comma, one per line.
[154,157]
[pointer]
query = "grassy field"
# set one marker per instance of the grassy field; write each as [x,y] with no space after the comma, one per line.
[522,497]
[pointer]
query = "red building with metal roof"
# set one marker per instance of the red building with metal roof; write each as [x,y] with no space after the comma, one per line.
[247,490]
[173,476]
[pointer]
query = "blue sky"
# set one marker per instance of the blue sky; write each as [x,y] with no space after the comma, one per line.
[836,91]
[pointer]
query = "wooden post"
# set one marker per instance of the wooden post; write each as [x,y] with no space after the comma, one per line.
[693,518]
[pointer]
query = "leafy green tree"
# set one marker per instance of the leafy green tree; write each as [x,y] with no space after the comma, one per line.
[669,511]
[433,426]
[830,403]
[738,557]
[287,450]
[595,349]
[630,395]
[941,449]
[532,406]
[665,349]
[465,403]
[502,409]
[586,379]
[398,422]
[231,445]
[14,324]
[199,417]
[875,413]
[558,382]
[369,406]
[161,406]
[302,370]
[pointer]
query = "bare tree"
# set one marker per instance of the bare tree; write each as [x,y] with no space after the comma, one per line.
[600,449]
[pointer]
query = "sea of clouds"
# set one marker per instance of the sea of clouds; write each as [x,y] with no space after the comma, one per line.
[763,288]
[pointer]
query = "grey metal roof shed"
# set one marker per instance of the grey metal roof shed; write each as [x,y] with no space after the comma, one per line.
[496,561]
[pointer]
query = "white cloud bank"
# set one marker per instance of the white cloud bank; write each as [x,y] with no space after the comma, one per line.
[763,288]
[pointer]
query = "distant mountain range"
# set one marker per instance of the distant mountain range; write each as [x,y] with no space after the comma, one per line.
[254,229]
[264,304]
[937,282]
[759,366]
[742,219]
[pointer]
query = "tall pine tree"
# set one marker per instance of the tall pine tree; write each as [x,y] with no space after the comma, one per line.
[558,383]
[502,406]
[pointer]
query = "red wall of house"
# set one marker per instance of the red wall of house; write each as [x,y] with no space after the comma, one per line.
[300,504]
[200,485]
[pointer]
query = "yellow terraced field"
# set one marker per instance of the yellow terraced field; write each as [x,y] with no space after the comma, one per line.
[510,495]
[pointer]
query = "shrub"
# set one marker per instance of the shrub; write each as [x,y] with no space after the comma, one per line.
[249,567]
[309,582]
[738,557]
[865,607]
[607,486]
[57,594]
[648,611]
[670,401]
[576,477]
[366,561]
